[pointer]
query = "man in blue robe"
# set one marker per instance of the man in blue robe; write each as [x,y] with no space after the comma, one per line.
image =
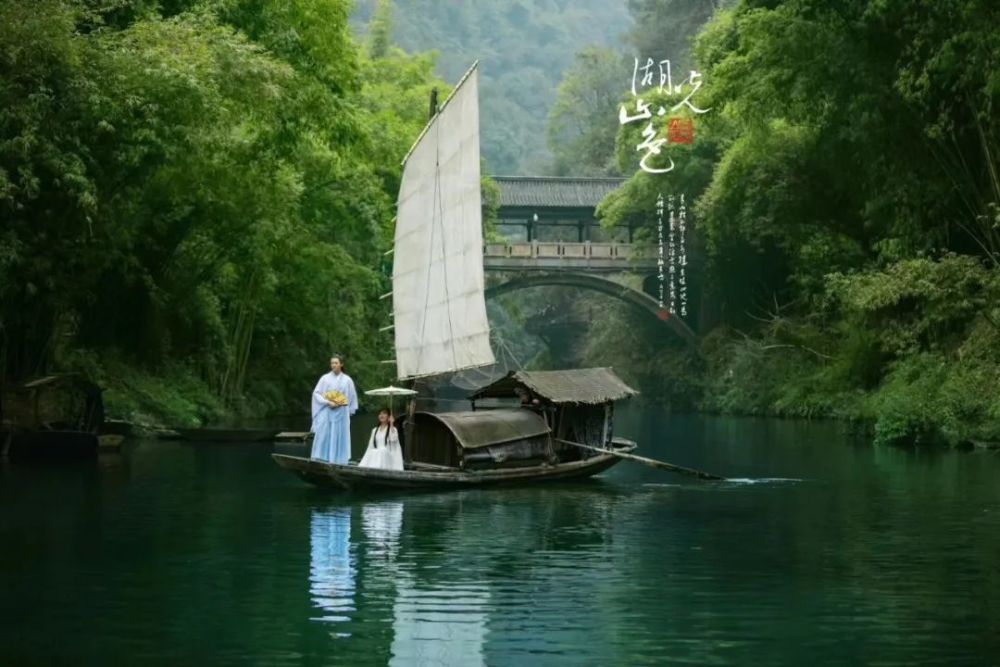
[331,423]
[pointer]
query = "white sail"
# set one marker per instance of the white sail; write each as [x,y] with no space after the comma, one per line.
[439,309]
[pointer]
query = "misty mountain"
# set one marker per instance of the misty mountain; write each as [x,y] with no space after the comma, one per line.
[524,48]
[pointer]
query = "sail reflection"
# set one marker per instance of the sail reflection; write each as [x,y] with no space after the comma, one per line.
[439,626]
[332,573]
[381,523]
[433,623]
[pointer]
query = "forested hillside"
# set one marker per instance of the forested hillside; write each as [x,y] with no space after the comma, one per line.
[847,190]
[524,46]
[196,194]
[847,199]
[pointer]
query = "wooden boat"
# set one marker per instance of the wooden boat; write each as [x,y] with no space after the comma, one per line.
[520,427]
[293,436]
[423,476]
[227,435]
[41,445]
[522,437]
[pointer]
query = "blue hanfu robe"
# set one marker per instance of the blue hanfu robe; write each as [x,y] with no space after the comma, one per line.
[332,425]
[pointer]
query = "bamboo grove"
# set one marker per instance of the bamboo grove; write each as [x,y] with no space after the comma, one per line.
[196,196]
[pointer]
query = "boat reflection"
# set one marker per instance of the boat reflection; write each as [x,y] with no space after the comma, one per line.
[433,622]
[381,523]
[332,572]
[431,582]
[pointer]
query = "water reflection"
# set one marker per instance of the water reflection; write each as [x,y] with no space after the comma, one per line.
[440,623]
[381,523]
[332,572]
[879,556]
[439,626]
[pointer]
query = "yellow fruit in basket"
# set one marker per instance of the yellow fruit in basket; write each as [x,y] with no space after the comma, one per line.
[336,397]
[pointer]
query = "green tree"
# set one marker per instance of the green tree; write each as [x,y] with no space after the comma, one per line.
[380,29]
[197,196]
[666,29]
[524,48]
[582,123]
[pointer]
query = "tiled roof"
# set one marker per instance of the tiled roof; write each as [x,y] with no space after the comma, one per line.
[585,386]
[546,191]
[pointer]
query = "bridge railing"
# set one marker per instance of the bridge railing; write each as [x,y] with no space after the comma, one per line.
[556,250]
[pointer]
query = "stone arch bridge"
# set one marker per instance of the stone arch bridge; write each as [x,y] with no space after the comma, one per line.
[553,239]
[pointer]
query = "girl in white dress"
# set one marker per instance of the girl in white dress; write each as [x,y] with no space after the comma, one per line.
[383,446]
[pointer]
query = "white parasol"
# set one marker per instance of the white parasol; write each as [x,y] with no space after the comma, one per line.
[390,391]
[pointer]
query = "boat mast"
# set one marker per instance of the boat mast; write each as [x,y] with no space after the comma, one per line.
[433,106]
[411,405]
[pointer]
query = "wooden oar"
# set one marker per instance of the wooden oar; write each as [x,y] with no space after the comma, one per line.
[653,463]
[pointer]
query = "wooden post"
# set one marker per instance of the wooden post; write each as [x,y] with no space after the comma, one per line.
[604,438]
[432,111]
[411,410]
[611,424]
[5,452]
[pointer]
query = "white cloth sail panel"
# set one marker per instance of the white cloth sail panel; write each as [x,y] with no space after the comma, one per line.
[439,309]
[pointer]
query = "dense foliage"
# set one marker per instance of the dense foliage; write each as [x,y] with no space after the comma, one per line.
[666,29]
[196,196]
[847,192]
[581,125]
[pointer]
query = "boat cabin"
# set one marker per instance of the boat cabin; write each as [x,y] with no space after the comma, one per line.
[487,439]
[521,419]
[55,402]
[577,405]
[51,417]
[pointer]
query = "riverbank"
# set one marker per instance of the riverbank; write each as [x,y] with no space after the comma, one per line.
[175,396]
[172,397]
[936,390]
[910,352]
[925,398]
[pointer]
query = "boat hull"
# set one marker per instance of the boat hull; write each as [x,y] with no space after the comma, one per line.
[48,445]
[353,478]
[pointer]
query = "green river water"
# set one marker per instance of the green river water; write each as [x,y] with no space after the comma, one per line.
[823,551]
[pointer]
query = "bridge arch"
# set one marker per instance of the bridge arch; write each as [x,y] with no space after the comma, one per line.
[632,297]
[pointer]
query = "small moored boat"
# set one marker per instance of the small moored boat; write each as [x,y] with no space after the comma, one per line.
[56,417]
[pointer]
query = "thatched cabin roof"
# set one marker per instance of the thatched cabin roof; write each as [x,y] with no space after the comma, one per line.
[585,386]
[473,430]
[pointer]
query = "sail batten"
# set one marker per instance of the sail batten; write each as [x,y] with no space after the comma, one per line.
[439,307]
